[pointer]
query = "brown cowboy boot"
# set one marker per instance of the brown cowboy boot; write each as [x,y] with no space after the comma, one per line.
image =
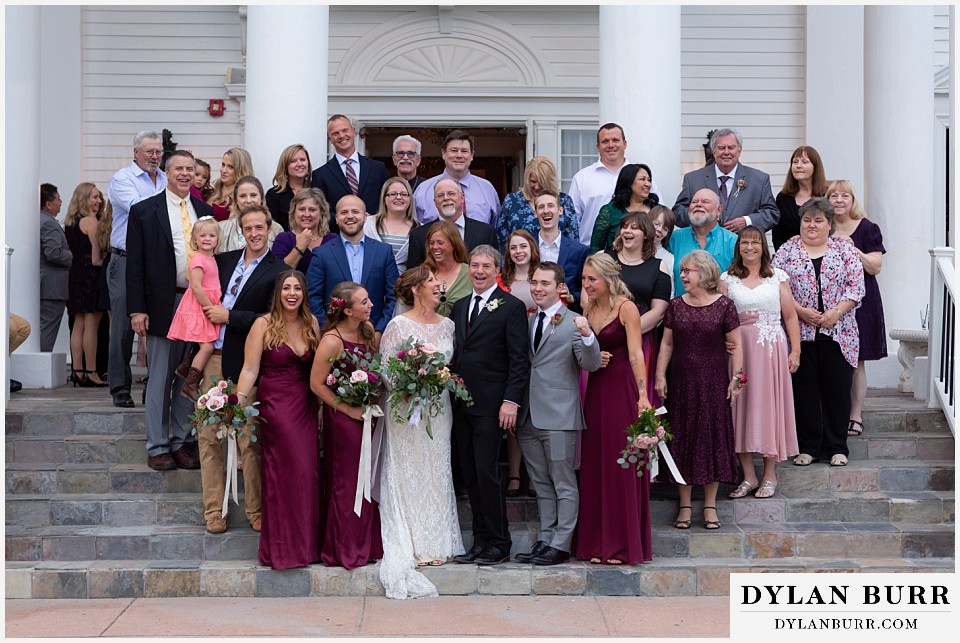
[191,388]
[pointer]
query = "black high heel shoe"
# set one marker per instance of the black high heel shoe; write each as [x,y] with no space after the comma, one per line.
[100,384]
[79,378]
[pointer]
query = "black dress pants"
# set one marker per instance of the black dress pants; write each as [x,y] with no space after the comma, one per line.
[821,399]
[477,440]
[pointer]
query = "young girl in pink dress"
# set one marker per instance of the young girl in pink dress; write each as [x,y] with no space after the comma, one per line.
[189,323]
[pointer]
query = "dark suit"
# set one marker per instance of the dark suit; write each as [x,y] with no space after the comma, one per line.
[252,301]
[571,258]
[754,200]
[151,280]
[493,359]
[55,260]
[330,267]
[331,179]
[475,233]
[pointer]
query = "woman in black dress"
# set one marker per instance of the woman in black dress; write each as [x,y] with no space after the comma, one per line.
[805,179]
[647,280]
[82,229]
[292,175]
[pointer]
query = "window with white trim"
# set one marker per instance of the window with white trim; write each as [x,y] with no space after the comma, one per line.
[578,149]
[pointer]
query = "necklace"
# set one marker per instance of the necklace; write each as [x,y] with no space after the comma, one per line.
[629,262]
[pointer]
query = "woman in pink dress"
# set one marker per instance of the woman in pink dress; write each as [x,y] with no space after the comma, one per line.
[763,418]
[189,323]
[349,540]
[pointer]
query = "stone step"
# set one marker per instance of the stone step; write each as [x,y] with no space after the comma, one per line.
[859,475]
[130,448]
[194,577]
[813,539]
[132,509]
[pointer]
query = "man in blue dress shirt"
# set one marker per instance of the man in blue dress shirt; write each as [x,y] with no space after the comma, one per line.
[705,233]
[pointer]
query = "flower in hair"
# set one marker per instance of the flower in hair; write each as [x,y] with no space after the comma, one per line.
[337,303]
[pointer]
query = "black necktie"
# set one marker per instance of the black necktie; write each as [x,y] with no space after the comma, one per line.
[723,186]
[539,334]
[475,311]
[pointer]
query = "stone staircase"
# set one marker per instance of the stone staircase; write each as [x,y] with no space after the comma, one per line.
[86,518]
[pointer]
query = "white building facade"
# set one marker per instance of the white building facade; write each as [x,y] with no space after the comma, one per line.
[870,87]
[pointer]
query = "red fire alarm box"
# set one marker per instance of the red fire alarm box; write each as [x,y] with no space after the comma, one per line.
[216,107]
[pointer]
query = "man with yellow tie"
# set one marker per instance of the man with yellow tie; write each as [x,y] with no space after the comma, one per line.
[158,236]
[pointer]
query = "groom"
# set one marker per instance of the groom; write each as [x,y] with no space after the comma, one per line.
[491,356]
[562,343]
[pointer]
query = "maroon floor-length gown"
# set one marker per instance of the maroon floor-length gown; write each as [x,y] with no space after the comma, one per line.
[614,517]
[349,541]
[290,469]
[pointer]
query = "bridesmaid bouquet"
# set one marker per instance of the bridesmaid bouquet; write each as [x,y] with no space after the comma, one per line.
[359,383]
[648,433]
[419,373]
[220,407]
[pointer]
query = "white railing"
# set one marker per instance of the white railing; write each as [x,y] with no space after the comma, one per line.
[942,323]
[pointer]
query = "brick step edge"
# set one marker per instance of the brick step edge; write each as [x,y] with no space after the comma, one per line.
[189,578]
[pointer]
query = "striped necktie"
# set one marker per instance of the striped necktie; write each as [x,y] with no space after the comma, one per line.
[351,176]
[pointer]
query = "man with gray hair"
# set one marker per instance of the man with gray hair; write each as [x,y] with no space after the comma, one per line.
[745,194]
[406,158]
[491,354]
[132,184]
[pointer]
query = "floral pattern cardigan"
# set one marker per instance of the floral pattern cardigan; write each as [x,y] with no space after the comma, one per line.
[841,277]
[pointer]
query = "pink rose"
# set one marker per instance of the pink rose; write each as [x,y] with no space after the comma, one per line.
[222,384]
[202,401]
[331,380]
[213,392]
[215,403]
[357,377]
[421,371]
[660,432]
[412,352]
[428,348]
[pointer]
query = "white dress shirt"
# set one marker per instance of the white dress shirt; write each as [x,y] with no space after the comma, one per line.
[549,251]
[550,312]
[591,189]
[176,231]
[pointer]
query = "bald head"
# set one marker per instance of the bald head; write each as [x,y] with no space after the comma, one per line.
[705,208]
[351,215]
[448,197]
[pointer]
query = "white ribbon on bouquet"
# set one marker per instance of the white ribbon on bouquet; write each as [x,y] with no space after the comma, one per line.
[363,470]
[231,483]
[665,454]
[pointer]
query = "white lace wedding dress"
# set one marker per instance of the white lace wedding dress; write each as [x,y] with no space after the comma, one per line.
[418,508]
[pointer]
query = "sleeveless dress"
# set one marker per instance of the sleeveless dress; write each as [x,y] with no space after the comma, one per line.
[697,406]
[83,296]
[763,417]
[614,520]
[189,323]
[290,469]
[348,541]
[418,507]
[873,332]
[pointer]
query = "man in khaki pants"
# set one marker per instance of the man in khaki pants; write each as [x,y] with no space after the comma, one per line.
[247,278]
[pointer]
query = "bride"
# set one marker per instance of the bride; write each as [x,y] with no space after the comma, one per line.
[418,508]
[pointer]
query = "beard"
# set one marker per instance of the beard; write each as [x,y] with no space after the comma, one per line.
[700,220]
[448,212]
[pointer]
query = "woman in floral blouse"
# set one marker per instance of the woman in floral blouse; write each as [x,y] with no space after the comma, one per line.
[516,213]
[826,279]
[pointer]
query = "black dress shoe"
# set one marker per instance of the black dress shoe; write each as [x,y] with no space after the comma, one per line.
[185,459]
[551,556]
[15,386]
[471,555]
[536,551]
[492,556]
[123,400]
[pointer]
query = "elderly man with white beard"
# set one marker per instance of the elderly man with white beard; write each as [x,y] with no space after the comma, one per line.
[704,233]
[448,199]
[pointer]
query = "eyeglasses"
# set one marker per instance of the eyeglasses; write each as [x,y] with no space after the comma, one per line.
[236,285]
[446,195]
[152,152]
[394,195]
[687,271]
[409,154]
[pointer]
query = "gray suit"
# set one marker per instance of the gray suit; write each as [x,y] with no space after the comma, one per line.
[55,260]
[550,421]
[754,200]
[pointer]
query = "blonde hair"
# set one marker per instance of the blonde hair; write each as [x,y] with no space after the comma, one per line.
[242,166]
[281,179]
[408,216]
[707,267]
[198,226]
[306,194]
[105,226]
[843,185]
[78,203]
[546,173]
[609,270]
[244,180]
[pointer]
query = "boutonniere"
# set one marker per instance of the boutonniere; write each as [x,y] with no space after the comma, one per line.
[741,185]
[493,305]
[556,319]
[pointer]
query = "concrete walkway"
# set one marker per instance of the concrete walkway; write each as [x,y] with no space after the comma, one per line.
[505,616]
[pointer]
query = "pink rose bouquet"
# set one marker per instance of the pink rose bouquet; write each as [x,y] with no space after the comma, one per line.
[355,379]
[644,437]
[220,407]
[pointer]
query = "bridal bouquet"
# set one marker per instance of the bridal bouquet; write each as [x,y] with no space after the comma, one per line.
[419,373]
[220,407]
[648,434]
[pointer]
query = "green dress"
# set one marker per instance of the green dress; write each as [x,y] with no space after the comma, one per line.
[606,228]
[460,288]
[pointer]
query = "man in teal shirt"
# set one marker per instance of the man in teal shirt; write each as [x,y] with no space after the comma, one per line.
[705,233]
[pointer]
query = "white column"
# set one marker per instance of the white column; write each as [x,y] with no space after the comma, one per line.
[286,97]
[834,97]
[22,193]
[640,86]
[899,153]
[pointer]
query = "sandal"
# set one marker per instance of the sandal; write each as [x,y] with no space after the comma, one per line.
[683,524]
[513,493]
[838,460]
[614,561]
[743,490]
[710,524]
[853,431]
[767,489]
[804,459]
[595,561]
